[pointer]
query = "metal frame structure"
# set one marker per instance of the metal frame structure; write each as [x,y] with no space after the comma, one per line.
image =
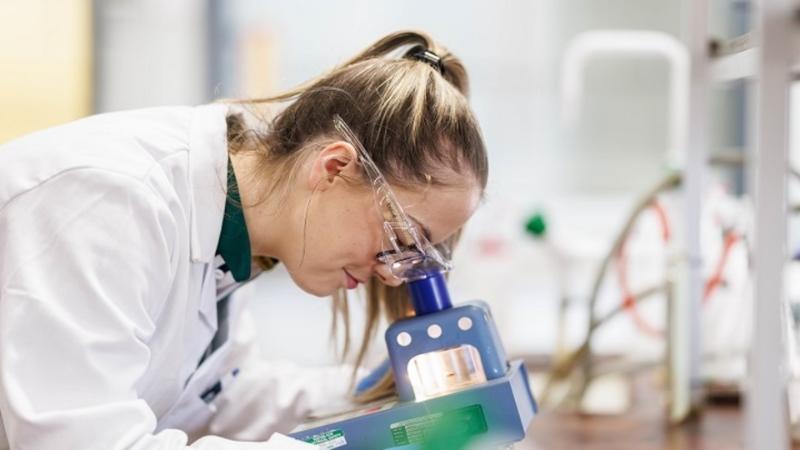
[766,399]
[685,319]
[765,63]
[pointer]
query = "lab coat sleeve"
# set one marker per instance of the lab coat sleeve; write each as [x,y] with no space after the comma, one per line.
[276,396]
[85,266]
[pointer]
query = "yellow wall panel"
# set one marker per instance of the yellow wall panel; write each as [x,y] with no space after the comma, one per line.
[45,64]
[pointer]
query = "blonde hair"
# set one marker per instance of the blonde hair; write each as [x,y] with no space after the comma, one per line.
[411,115]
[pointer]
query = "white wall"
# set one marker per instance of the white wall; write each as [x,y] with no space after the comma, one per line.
[149,53]
[584,179]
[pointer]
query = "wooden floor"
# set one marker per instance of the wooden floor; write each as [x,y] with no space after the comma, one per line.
[719,427]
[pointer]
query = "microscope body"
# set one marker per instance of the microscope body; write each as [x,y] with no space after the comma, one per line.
[451,375]
[445,351]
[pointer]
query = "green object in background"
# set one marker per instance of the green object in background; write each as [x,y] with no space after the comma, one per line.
[537,225]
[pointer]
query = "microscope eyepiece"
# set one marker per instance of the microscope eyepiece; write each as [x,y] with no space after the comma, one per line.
[430,294]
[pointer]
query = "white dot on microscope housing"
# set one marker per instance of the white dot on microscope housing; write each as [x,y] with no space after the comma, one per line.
[434,331]
[404,339]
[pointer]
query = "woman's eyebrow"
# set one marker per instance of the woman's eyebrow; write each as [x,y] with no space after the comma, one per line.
[425,229]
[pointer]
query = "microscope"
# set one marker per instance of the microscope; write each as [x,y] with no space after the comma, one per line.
[455,387]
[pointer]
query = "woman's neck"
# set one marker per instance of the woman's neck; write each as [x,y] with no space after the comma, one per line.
[266,218]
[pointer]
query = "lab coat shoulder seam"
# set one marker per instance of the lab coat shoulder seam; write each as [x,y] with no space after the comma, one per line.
[140,183]
[70,170]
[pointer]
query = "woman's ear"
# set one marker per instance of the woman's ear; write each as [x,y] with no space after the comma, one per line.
[336,158]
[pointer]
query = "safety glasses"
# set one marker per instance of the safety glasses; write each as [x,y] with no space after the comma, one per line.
[407,251]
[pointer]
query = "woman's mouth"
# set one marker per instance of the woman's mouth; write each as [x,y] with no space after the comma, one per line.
[351,282]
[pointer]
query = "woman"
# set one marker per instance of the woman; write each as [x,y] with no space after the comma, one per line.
[122,236]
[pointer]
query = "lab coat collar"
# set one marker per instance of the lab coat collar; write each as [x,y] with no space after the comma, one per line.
[208,156]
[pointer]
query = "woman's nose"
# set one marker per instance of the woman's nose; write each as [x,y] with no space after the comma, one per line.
[384,273]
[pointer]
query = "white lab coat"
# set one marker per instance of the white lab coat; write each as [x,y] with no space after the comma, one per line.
[108,232]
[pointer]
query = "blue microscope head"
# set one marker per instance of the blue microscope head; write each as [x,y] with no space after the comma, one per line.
[443,349]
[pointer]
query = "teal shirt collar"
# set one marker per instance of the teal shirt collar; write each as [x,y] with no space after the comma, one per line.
[234,241]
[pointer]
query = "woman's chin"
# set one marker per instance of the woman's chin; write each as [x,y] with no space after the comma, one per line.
[317,289]
[319,282]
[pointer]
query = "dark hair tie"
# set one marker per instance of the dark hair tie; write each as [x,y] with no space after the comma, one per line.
[422,54]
